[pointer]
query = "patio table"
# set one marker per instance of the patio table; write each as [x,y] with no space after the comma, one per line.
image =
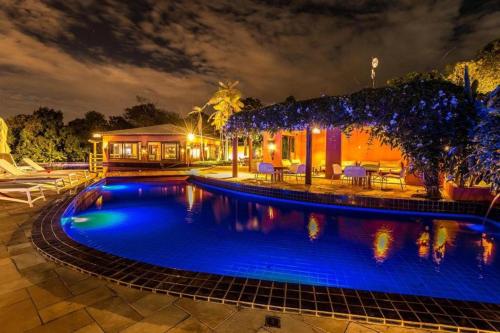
[370,170]
[278,173]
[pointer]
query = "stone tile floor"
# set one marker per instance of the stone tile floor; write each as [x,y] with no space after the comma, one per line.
[40,296]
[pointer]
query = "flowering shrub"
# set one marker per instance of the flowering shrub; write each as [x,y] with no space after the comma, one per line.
[428,120]
[486,139]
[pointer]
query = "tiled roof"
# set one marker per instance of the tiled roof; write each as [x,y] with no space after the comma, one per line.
[164,129]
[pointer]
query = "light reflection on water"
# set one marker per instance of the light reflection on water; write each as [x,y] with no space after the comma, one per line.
[184,226]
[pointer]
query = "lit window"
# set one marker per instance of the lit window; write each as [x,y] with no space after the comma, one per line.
[170,150]
[115,150]
[154,151]
[122,150]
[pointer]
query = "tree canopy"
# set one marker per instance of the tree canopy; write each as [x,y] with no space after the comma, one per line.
[484,68]
[146,113]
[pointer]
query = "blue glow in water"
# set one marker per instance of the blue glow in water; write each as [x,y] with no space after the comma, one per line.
[187,227]
[116,187]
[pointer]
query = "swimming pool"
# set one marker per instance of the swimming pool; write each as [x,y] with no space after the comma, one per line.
[190,227]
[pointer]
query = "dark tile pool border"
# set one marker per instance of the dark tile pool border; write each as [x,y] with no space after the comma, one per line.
[51,241]
[415,205]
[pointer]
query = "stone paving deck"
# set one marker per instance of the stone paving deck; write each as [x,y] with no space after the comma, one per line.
[320,184]
[40,296]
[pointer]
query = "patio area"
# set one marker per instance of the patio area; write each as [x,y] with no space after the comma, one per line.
[319,184]
[40,296]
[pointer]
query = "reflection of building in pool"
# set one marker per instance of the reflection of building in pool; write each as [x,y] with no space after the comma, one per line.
[98,202]
[382,244]
[315,225]
[381,237]
[190,196]
[424,243]
[486,247]
[444,239]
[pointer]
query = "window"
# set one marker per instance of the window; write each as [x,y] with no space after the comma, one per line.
[170,150]
[287,146]
[123,150]
[154,151]
[115,150]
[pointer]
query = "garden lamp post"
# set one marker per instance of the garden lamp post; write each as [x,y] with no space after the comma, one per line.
[374,65]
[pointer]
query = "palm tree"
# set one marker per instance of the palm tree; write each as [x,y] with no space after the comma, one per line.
[197,110]
[225,101]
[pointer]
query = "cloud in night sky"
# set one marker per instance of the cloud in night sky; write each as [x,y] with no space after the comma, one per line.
[98,55]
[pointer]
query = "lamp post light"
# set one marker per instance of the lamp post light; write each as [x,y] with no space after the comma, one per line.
[189,147]
[374,65]
[272,148]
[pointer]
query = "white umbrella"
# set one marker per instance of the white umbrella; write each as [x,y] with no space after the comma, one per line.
[4,147]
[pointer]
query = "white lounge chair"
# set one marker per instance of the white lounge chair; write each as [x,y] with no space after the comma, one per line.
[6,188]
[37,167]
[55,182]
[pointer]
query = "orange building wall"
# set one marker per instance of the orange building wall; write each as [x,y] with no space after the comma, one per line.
[318,147]
[356,147]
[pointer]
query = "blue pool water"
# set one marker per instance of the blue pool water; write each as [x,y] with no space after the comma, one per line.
[185,226]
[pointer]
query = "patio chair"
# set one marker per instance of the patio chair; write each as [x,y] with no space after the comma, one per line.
[321,167]
[297,170]
[371,165]
[265,169]
[393,175]
[37,167]
[19,176]
[390,166]
[356,173]
[6,188]
[10,159]
[337,172]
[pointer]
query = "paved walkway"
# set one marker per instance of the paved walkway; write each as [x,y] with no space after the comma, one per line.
[40,296]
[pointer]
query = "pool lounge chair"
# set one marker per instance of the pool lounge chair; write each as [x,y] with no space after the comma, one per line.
[37,167]
[17,173]
[53,182]
[6,188]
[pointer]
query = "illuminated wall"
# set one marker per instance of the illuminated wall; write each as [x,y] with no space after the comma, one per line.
[358,147]
[330,146]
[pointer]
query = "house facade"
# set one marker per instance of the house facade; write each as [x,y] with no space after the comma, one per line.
[165,144]
[330,146]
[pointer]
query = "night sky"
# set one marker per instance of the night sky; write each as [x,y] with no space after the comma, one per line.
[98,55]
